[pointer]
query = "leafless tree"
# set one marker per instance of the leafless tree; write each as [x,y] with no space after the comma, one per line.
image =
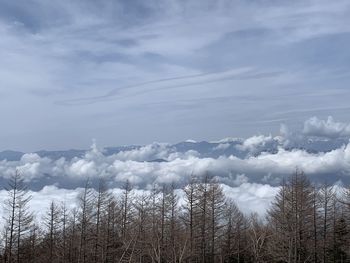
[291,218]
[85,218]
[18,218]
[258,237]
[304,224]
[326,199]
[216,208]
[126,208]
[233,243]
[52,223]
[190,213]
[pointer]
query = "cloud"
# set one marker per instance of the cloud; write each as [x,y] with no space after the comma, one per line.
[255,143]
[222,146]
[326,128]
[252,198]
[248,197]
[251,179]
[146,153]
[259,159]
[40,200]
[160,61]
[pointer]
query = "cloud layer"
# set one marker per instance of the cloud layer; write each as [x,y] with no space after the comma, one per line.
[250,170]
[258,159]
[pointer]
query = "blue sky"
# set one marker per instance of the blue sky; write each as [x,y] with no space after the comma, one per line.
[133,72]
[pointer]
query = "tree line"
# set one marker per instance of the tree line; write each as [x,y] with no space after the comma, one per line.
[304,224]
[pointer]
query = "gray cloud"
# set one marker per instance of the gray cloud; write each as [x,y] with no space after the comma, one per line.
[135,51]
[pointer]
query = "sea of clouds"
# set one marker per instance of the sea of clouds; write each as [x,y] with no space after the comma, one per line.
[250,170]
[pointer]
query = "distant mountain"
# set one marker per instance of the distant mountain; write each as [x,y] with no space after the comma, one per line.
[113,150]
[232,146]
[69,154]
[10,155]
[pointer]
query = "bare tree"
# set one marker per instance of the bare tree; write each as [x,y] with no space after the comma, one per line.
[85,217]
[19,219]
[258,236]
[64,225]
[233,243]
[126,207]
[112,225]
[216,209]
[101,209]
[190,213]
[52,222]
[291,218]
[304,224]
[326,198]
[203,193]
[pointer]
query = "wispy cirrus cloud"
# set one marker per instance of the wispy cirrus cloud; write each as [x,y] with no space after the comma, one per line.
[128,55]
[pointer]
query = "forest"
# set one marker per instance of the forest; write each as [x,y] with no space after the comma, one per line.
[305,223]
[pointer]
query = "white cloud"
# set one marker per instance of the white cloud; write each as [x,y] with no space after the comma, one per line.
[83,168]
[264,159]
[228,140]
[252,198]
[240,179]
[146,153]
[222,146]
[40,200]
[326,128]
[254,143]
[267,167]
[248,197]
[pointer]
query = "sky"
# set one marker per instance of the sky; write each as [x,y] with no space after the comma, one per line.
[135,72]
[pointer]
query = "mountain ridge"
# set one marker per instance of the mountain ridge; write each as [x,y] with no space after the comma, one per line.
[212,149]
